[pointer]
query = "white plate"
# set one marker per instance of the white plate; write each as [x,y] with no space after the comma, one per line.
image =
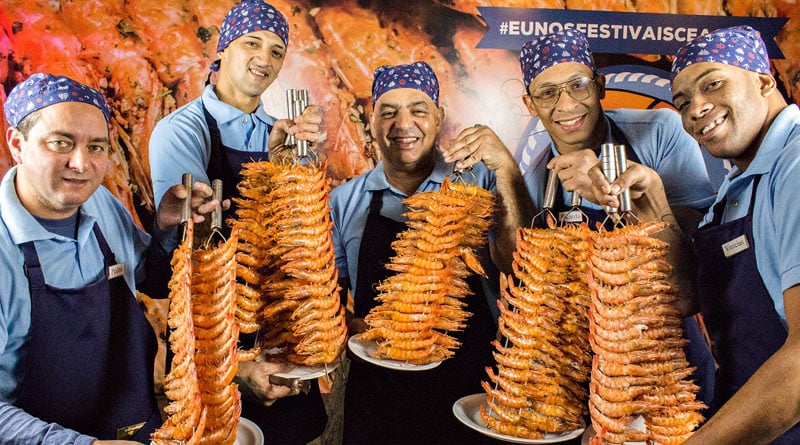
[365,348]
[468,410]
[309,372]
[249,433]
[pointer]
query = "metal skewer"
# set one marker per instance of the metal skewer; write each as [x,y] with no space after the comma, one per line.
[608,161]
[296,102]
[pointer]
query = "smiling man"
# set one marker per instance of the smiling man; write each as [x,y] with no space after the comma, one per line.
[384,406]
[211,137]
[749,277]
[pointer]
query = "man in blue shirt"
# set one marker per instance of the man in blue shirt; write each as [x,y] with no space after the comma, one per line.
[387,406]
[211,137]
[76,352]
[564,91]
[747,246]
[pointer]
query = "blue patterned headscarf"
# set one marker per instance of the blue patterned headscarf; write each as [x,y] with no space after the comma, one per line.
[417,75]
[739,46]
[251,16]
[41,90]
[569,45]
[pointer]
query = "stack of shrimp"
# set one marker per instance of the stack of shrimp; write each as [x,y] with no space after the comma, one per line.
[186,415]
[290,261]
[433,259]
[639,368]
[540,384]
[216,337]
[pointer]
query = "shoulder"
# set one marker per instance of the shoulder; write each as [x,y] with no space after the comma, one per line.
[189,116]
[353,187]
[633,116]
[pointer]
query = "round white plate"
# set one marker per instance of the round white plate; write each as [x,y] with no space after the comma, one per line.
[365,348]
[249,433]
[468,410]
[309,372]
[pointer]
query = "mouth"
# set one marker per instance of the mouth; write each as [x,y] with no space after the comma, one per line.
[712,125]
[258,73]
[405,141]
[571,124]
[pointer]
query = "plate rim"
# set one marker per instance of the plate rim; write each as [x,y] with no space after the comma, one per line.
[459,407]
[396,365]
[310,372]
[253,428]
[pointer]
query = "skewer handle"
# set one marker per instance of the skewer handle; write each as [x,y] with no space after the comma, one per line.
[608,161]
[622,165]
[550,190]
[186,208]
[216,216]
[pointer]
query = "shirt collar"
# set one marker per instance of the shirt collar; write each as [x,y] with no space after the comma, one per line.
[775,140]
[376,178]
[225,113]
[22,226]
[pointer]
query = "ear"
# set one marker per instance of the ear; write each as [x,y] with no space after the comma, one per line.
[526,99]
[440,114]
[767,84]
[601,86]
[14,140]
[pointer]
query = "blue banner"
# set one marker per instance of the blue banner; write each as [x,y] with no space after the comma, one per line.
[617,32]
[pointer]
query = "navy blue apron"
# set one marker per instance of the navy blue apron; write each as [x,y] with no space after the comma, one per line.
[290,420]
[90,354]
[740,315]
[697,351]
[384,406]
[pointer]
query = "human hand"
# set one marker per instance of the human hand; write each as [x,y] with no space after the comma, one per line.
[115,442]
[476,144]
[572,170]
[254,381]
[306,127]
[168,214]
[645,188]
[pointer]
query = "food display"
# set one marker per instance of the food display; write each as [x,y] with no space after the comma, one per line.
[543,361]
[639,367]
[423,302]
[288,282]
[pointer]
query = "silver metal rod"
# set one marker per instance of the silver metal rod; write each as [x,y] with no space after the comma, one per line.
[608,160]
[622,165]
[550,190]
[186,207]
[216,215]
[576,199]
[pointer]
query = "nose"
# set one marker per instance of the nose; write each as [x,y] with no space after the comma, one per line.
[79,159]
[404,120]
[698,107]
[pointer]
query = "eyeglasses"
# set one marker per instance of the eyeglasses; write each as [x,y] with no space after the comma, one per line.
[579,88]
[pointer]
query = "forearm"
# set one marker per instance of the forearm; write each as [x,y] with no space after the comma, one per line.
[514,210]
[17,426]
[765,407]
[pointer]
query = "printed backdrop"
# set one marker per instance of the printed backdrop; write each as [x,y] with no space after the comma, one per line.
[151,56]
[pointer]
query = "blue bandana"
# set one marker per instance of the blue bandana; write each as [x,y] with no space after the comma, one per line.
[251,16]
[569,45]
[739,46]
[417,75]
[42,90]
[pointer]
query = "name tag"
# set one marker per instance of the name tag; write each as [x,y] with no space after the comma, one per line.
[116,270]
[734,246]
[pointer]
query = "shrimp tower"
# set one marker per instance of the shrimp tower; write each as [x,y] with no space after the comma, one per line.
[434,256]
[186,416]
[639,369]
[540,383]
[288,279]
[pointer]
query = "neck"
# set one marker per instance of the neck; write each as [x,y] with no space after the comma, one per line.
[409,180]
[234,98]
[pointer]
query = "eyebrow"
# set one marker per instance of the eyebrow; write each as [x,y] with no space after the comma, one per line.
[411,105]
[703,74]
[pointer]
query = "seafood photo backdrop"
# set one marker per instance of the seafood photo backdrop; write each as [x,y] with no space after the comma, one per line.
[151,57]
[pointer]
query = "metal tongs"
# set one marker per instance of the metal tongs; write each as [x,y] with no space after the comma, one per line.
[296,103]
[186,205]
[216,215]
[549,200]
[614,161]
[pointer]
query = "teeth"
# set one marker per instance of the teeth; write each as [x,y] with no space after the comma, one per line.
[711,126]
[571,122]
[258,73]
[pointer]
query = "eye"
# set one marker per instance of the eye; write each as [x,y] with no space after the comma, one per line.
[714,85]
[278,54]
[420,112]
[580,84]
[97,148]
[388,114]
[546,93]
[60,145]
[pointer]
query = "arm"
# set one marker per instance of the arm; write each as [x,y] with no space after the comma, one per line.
[17,426]
[769,403]
[515,208]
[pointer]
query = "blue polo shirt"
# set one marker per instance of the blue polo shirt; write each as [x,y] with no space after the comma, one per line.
[776,215]
[66,263]
[181,143]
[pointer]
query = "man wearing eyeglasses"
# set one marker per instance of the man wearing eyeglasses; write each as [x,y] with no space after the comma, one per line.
[564,91]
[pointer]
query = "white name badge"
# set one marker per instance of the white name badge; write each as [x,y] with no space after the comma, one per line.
[116,270]
[736,245]
[572,216]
